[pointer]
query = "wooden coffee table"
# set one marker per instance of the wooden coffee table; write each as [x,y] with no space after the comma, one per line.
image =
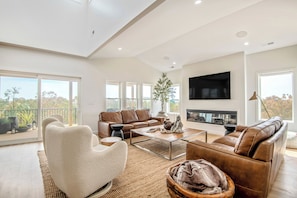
[166,137]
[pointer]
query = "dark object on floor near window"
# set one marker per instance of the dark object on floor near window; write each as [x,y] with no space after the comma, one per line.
[4,125]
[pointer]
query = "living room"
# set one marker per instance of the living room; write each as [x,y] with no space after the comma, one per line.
[19,59]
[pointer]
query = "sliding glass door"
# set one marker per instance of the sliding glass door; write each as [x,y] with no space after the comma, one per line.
[18,108]
[59,98]
[26,99]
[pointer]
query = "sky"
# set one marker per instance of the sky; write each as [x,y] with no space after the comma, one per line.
[28,87]
[276,85]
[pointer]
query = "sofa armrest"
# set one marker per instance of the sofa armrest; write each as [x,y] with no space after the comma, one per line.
[249,175]
[160,119]
[104,129]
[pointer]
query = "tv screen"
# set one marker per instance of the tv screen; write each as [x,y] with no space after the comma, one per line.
[213,86]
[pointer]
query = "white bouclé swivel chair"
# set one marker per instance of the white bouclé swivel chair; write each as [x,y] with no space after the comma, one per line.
[78,164]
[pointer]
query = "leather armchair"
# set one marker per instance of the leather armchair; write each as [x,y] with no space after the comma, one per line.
[78,164]
[251,156]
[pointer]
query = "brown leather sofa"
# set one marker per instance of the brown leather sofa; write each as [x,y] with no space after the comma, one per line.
[251,155]
[131,119]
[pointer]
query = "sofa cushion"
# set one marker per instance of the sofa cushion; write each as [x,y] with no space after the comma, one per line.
[143,114]
[127,127]
[153,122]
[138,125]
[111,117]
[251,137]
[129,116]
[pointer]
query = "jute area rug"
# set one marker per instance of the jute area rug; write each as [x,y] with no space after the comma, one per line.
[144,175]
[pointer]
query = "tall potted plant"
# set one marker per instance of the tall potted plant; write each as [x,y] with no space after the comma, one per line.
[163,91]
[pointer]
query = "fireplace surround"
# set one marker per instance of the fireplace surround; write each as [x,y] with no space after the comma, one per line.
[212,116]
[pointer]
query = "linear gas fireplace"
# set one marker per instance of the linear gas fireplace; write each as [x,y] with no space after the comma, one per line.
[212,117]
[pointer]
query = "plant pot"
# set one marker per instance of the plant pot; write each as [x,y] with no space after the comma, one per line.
[162,114]
[22,129]
[4,125]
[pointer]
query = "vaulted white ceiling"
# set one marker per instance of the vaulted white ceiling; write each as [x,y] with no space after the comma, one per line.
[165,34]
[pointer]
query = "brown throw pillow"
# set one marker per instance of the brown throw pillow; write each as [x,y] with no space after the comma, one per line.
[143,114]
[129,116]
[111,117]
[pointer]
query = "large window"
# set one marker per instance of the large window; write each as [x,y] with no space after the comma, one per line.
[147,96]
[175,99]
[131,95]
[60,97]
[276,91]
[113,96]
[26,99]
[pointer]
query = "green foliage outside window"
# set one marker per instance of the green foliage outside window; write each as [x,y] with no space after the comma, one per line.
[278,106]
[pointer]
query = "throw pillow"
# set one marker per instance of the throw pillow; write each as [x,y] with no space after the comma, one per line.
[143,114]
[115,117]
[129,116]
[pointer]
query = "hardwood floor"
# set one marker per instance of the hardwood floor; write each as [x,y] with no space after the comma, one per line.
[20,174]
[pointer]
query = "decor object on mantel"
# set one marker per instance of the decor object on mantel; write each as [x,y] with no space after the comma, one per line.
[255,97]
[163,91]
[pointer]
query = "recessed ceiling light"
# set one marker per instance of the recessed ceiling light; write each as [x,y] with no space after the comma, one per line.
[246,43]
[196,2]
[120,48]
[241,34]
[174,63]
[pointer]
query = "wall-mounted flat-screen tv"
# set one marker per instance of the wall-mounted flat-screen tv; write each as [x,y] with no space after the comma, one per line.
[212,86]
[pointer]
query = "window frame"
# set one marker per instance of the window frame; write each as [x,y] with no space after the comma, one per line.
[119,84]
[150,99]
[134,95]
[179,102]
[259,90]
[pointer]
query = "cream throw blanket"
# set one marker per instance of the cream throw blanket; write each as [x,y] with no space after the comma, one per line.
[200,176]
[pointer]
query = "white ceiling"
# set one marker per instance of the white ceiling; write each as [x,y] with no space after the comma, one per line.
[156,32]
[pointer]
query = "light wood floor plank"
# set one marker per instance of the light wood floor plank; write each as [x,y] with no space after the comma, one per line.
[20,174]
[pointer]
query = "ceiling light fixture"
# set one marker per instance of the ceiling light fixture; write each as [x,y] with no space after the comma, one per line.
[120,48]
[241,34]
[246,43]
[197,2]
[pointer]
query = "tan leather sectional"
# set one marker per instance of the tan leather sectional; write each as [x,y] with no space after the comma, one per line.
[131,119]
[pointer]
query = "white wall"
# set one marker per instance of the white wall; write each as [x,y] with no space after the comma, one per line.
[233,63]
[244,71]
[127,70]
[270,61]
[93,74]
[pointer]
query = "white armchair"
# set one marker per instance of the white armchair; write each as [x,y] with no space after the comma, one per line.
[77,166]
